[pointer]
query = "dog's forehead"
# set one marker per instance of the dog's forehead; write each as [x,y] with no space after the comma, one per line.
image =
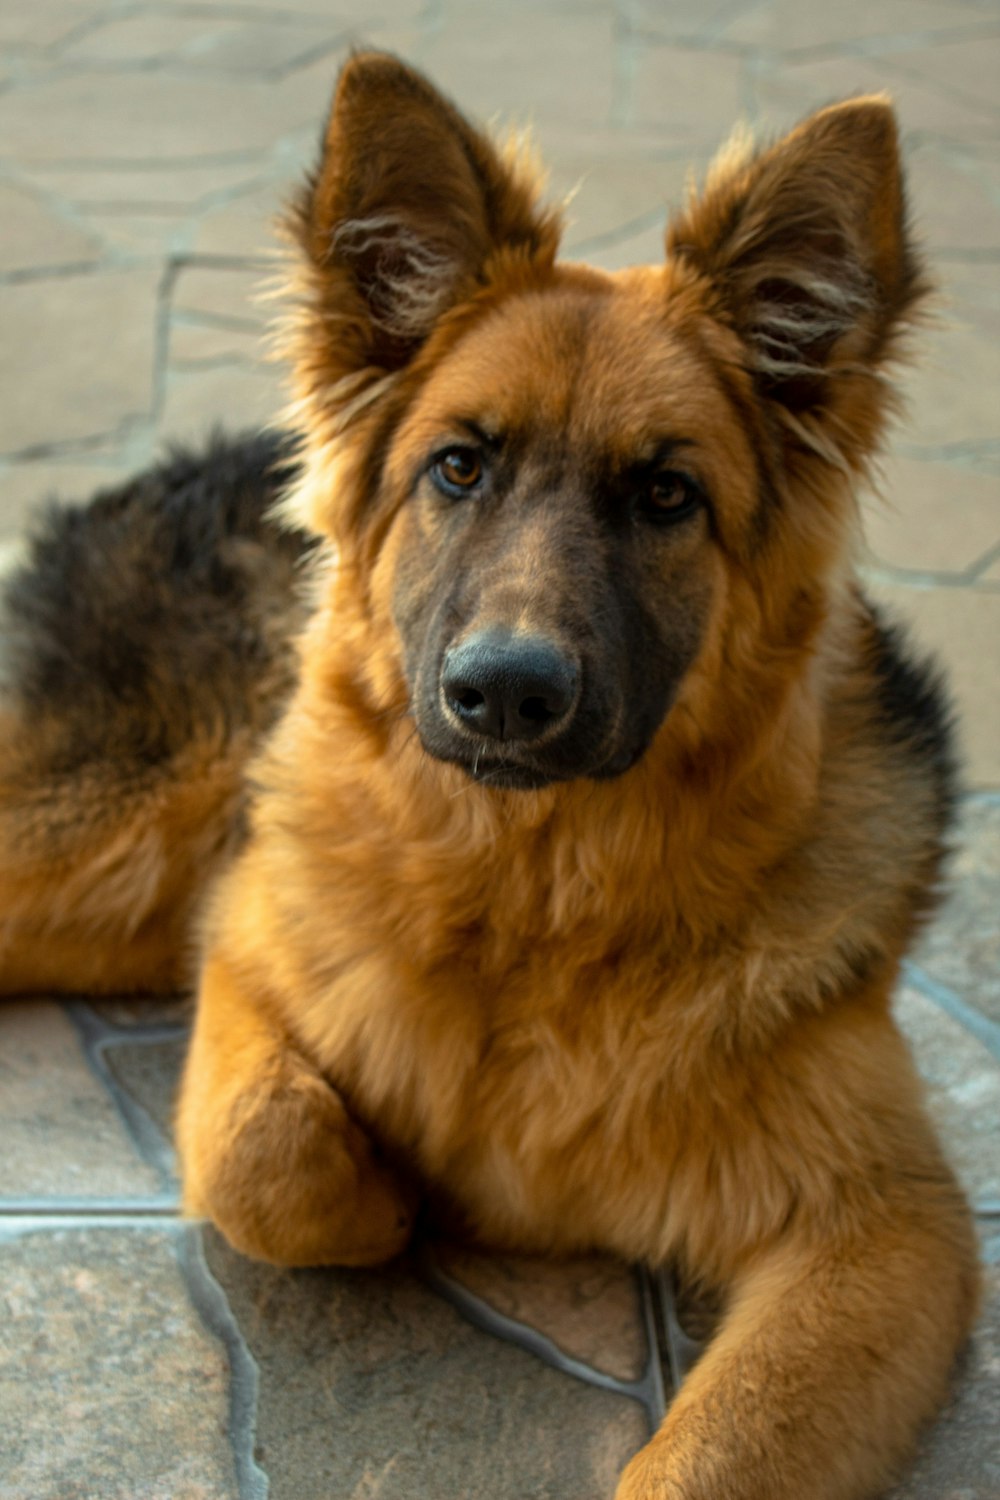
[611,365]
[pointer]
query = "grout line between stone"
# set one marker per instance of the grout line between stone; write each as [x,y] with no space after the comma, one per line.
[981,1027]
[15,1226]
[96,1036]
[212,1306]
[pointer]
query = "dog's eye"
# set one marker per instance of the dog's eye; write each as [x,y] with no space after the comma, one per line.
[457,471]
[669,496]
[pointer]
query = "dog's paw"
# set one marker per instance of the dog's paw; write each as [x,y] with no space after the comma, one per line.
[299,1183]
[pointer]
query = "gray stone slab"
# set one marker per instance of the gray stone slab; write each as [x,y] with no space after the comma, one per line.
[962,947]
[963,1080]
[145,1010]
[149,1072]
[959,1458]
[588,1306]
[62,1135]
[370,1385]
[109,1384]
[77,356]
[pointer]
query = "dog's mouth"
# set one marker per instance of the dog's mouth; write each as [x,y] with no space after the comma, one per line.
[507,776]
[488,769]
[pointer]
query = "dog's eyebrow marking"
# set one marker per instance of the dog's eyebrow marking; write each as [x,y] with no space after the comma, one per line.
[488,435]
[660,451]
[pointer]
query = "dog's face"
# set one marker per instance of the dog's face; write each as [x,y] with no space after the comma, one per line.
[563,474]
[581,500]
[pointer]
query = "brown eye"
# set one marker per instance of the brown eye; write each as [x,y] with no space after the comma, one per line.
[669,496]
[458,470]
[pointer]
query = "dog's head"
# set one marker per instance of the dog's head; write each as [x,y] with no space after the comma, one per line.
[577,504]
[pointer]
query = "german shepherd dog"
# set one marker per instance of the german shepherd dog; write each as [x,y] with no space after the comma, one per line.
[601,807]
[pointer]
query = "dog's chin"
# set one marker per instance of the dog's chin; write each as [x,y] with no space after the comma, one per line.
[507,777]
[517,771]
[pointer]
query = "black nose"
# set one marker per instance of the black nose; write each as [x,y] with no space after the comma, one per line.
[509,687]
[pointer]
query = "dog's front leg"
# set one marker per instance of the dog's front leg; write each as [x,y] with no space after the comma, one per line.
[269,1150]
[833,1352]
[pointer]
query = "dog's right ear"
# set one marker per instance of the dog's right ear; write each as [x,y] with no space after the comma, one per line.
[401,220]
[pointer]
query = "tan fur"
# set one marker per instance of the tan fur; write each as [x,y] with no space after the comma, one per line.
[648,1014]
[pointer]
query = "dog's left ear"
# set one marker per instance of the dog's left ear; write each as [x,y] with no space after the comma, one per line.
[805,246]
[403,215]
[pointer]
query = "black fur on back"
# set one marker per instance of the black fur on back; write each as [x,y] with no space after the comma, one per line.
[913,710]
[161,609]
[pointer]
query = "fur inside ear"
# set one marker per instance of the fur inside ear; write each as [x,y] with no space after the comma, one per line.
[407,207]
[807,250]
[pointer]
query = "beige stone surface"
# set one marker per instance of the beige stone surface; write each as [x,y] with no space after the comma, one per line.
[785,92]
[545,66]
[77,356]
[788,24]
[967,66]
[25,487]
[223,42]
[195,342]
[223,291]
[957,193]
[244,226]
[62,1135]
[951,395]
[932,517]
[692,96]
[237,396]
[133,117]
[119,187]
[35,236]
[961,626]
[28,29]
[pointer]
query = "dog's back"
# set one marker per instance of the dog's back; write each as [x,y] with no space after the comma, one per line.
[146,645]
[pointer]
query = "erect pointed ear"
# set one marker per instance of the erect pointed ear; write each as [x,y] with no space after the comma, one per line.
[807,250]
[403,215]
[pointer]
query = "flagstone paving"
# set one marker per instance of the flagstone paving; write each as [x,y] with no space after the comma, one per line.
[145,148]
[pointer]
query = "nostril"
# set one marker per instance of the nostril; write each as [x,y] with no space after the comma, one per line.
[535,710]
[467,699]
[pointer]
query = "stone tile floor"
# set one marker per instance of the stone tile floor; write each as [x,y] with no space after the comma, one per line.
[144,147]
